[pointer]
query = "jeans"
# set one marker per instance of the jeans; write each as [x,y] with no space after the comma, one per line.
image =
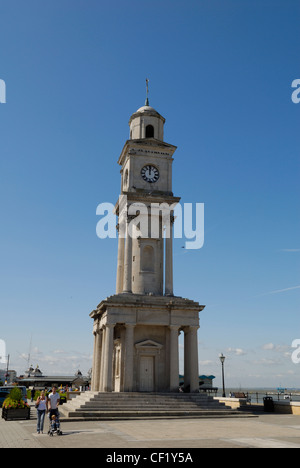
[40,420]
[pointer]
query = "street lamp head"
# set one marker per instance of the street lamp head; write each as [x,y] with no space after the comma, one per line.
[222,358]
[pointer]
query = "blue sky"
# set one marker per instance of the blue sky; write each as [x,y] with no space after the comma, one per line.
[220,72]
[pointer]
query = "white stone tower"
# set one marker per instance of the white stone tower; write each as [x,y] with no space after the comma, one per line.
[136,330]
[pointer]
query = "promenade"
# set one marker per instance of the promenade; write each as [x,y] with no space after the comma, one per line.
[264,431]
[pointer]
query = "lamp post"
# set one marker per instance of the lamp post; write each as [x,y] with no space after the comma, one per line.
[222,359]
[7,374]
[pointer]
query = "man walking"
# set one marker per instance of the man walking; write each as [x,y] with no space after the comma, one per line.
[53,402]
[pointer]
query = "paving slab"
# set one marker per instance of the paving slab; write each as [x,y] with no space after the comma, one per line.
[265,431]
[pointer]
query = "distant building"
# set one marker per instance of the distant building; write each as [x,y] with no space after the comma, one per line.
[205,383]
[35,378]
[31,372]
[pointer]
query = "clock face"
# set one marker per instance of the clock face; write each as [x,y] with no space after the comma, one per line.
[150,173]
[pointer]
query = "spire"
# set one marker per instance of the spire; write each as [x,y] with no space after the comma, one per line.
[147,92]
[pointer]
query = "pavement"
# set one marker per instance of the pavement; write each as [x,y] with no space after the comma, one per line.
[264,431]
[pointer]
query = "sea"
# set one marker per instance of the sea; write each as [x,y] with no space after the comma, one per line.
[257,395]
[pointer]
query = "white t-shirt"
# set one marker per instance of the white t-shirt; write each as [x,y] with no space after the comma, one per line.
[53,397]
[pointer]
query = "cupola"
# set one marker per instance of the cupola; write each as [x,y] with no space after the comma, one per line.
[146,122]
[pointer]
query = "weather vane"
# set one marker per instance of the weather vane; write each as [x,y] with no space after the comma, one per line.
[147,92]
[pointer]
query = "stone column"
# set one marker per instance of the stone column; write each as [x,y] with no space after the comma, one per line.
[94,361]
[169,261]
[102,366]
[120,267]
[108,359]
[174,359]
[97,362]
[162,255]
[187,352]
[128,368]
[191,371]
[194,367]
[128,260]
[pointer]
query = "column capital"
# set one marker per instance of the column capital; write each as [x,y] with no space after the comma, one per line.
[191,328]
[130,325]
[96,327]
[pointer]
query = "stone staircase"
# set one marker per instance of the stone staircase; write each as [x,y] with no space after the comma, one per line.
[123,406]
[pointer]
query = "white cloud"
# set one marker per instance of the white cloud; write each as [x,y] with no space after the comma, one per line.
[278,291]
[54,362]
[266,362]
[268,346]
[236,351]
[283,349]
[206,363]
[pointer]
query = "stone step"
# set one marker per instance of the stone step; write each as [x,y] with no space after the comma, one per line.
[122,406]
[150,395]
[147,400]
[126,415]
[134,407]
[95,404]
[150,408]
[142,400]
[144,412]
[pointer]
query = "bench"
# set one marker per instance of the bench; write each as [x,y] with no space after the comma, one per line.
[239,395]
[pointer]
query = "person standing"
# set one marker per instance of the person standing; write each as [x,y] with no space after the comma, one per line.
[41,406]
[53,402]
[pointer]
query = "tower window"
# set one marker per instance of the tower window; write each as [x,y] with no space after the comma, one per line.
[149,131]
[126,178]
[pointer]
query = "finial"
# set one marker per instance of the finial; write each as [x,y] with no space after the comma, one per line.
[147,92]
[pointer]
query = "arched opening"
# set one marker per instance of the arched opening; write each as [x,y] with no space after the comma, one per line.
[149,131]
[126,178]
[148,259]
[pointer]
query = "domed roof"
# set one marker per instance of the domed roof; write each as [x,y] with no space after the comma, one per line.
[146,109]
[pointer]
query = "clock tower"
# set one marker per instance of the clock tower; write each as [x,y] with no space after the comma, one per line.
[145,263]
[136,330]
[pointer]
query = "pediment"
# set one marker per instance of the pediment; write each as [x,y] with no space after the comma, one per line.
[148,344]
